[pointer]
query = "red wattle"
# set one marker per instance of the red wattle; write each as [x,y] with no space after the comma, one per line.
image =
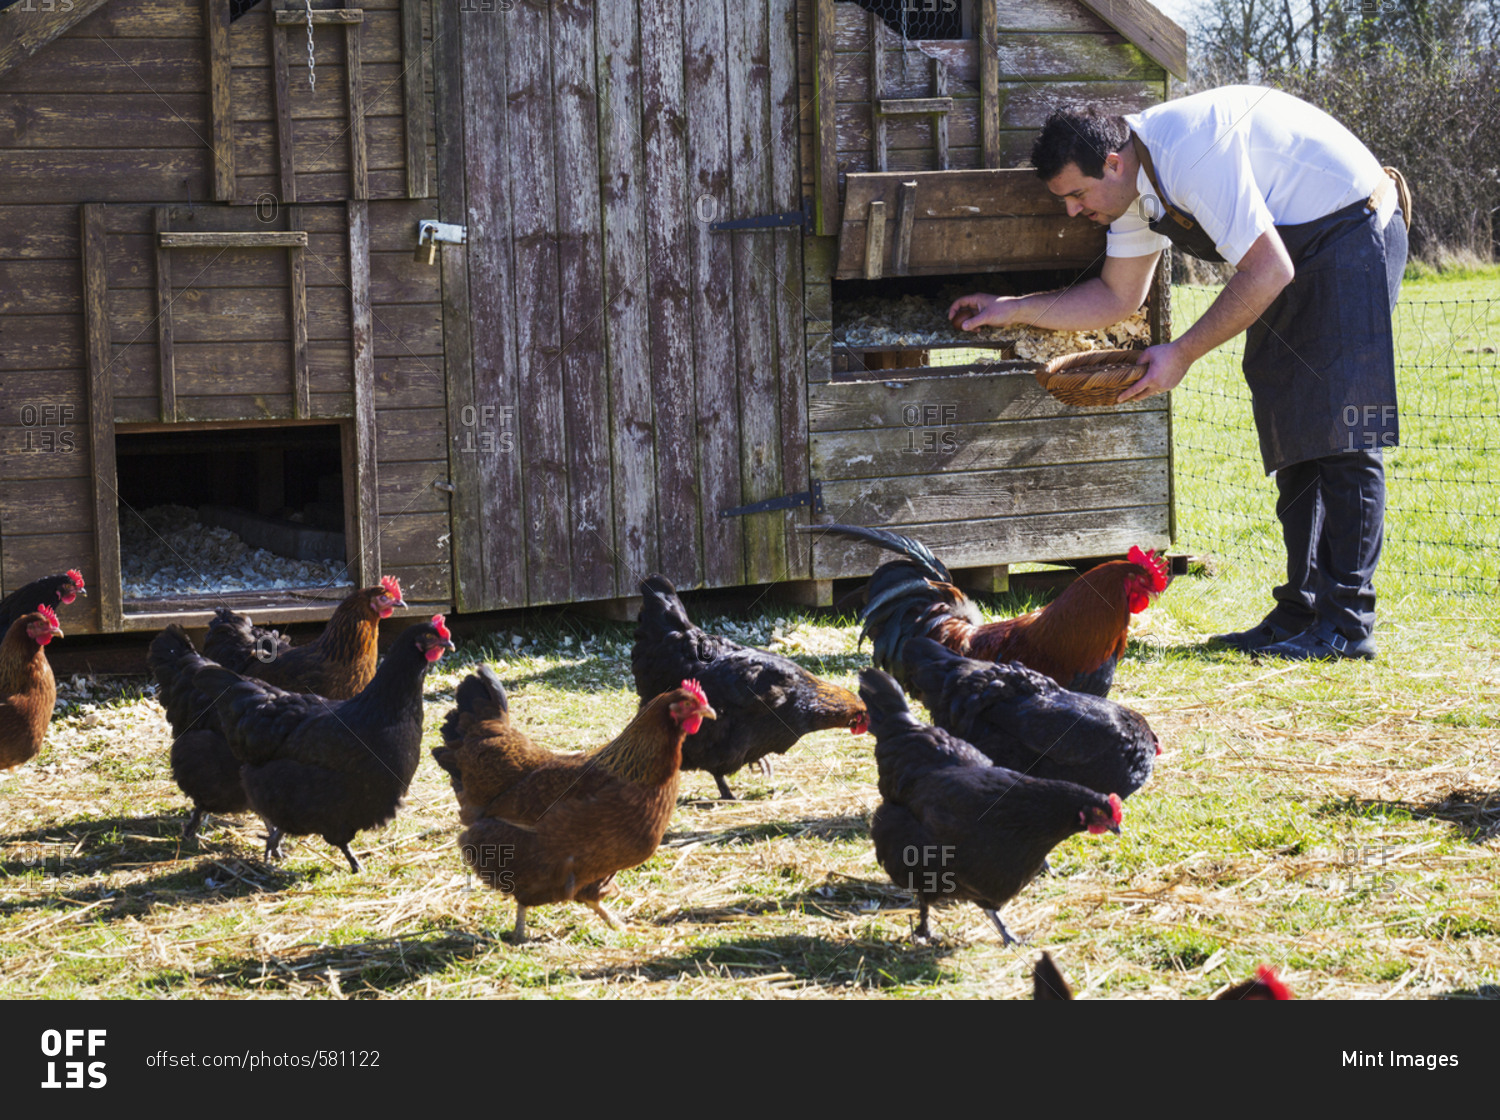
[691,724]
[434,652]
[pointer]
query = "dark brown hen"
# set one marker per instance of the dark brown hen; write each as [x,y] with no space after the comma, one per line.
[765,702]
[28,690]
[952,826]
[331,768]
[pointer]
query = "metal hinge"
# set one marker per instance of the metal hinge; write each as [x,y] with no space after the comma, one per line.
[787,219]
[813,498]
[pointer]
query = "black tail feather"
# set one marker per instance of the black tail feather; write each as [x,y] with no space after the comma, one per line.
[915,551]
[480,695]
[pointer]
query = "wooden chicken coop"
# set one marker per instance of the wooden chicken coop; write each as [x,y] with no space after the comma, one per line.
[521,301]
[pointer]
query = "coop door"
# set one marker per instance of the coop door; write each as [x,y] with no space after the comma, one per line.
[317,103]
[219,315]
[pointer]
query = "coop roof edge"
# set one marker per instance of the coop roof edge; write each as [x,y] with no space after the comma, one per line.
[1157,35]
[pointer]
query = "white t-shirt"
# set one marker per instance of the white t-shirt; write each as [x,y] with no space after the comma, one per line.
[1241,159]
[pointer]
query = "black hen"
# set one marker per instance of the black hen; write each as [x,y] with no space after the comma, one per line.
[953,826]
[203,766]
[1028,722]
[331,768]
[765,702]
[49,591]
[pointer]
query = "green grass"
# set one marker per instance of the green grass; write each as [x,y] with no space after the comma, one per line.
[1338,821]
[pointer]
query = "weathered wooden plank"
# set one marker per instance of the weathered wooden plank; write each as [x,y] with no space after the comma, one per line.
[396,278]
[940,123]
[913,106]
[906,219]
[967,495]
[936,402]
[131,120]
[957,195]
[41,504]
[471,591]
[107,176]
[29,28]
[627,313]
[414,88]
[591,520]
[706,106]
[101,420]
[827,165]
[286,144]
[40,287]
[168,392]
[48,433]
[980,245]
[37,232]
[359,160]
[380,41]
[1063,439]
[346,17]
[412,487]
[221,109]
[274,239]
[1007,540]
[411,434]
[360,437]
[141,19]
[409,329]
[1017,16]
[385,183]
[95,65]
[790,329]
[414,539]
[410,382]
[301,378]
[875,239]
[663,139]
[876,55]
[41,342]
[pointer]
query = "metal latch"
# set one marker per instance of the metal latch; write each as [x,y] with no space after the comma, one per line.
[813,498]
[431,234]
[786,219]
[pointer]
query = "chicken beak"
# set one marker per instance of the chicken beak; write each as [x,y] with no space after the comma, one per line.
[707,713]
[447,643]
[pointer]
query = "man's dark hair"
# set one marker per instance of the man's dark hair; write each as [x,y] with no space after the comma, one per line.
[1081,138]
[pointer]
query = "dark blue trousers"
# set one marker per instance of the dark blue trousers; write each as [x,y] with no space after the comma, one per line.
[1332,513]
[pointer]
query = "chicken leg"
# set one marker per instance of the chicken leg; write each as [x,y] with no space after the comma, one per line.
[994,916]
[520,932]
[190,829]
[353,863]
[604,912]
[273,842]
[724,791]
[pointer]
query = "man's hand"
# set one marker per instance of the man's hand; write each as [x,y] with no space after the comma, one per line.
[989,311]
[1169,365]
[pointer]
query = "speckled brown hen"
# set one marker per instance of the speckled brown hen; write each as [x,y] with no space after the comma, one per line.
[28,691]
[545,827]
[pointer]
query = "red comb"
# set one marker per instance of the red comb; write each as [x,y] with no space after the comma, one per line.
[697,690]
[77,577]
[49,614]
[1267,976]
[442,628]
[1152,563]
[1114,803]
[392,586]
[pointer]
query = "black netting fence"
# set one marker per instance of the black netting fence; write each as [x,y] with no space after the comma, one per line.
[1443,482]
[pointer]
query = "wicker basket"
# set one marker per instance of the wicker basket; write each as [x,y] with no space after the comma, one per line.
[1092,379]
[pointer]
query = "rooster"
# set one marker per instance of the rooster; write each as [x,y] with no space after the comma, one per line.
[1047,982]
[333,768]
[1027,722]
[549,828]
[49,591]
[767,701]
[339,663]
[28,690]
[951,825]
[1076,639]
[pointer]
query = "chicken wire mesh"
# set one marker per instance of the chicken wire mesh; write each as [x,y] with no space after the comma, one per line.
[1442,524]
[922,19]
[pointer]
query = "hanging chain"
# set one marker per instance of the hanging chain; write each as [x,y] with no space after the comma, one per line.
[312,77]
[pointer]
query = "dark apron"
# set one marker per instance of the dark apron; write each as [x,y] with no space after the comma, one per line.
[1320,361]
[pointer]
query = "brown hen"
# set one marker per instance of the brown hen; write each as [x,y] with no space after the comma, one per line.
[28,691]
[546,827]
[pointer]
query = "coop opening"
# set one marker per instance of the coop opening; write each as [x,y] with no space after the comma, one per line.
[901,323]
[236,515]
